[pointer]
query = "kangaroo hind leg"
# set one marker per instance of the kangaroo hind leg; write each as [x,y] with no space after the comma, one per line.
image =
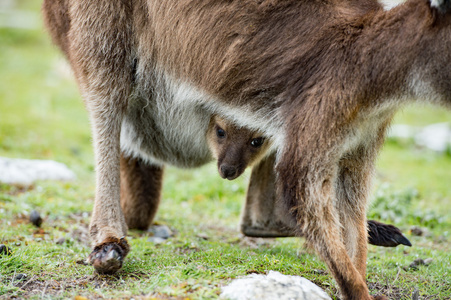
[140,191]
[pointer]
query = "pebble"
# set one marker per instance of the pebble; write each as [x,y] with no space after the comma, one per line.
[160,231]
[35,218]
[416,231]
[4,250]
[156,240]
[82,262]
[203,236]
[419,261]
[20,277]
[60,241]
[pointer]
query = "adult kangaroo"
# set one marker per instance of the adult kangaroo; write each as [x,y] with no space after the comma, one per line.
[321,78]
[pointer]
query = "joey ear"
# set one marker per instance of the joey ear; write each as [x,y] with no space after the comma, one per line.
[443,6]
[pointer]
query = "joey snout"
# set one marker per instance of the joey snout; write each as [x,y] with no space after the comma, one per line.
[228,171]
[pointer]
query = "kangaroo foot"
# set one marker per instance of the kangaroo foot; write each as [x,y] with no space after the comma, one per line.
[107,257]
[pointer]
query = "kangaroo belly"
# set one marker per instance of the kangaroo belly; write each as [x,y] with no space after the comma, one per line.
[166,125]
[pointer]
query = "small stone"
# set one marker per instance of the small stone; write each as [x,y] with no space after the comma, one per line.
[160,231]
[18,244]
[420,262]
[35,218]
[203,236]
[419,231]
[60,241]
[4,250]
[156,240]
[416,231]
[20,277]
[441,239]
[417,262]
[81,262]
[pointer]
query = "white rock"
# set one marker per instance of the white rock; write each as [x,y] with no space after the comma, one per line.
[273,286]
[401,131]
[436,137]
[17,19]
[27,171]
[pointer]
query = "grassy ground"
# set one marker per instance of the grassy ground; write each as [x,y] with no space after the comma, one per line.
[42,117]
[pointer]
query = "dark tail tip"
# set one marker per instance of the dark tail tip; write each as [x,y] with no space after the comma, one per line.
[443,6]
[380,234]
[402,240]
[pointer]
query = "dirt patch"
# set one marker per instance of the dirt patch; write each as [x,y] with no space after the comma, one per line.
[81,235]
[16,190]
[393,292]
[36,286]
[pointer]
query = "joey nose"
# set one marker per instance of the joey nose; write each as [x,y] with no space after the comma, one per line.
[228,172]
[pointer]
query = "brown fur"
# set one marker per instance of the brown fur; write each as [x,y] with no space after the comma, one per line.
[262,216]
[140,191]
[321,78]
[237,149]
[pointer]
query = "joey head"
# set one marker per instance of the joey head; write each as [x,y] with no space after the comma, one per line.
[235,148]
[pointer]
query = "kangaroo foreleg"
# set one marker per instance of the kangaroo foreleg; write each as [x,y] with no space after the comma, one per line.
[100,53]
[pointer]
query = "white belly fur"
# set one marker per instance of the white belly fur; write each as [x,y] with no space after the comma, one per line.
[167,123]
[166,126]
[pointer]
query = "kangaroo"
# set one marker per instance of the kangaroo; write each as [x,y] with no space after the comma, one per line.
[323,80]
[236,148]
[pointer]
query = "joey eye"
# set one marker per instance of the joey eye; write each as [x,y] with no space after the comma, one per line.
[220,133]
[257,142]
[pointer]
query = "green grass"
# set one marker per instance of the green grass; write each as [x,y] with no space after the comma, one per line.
[42,117]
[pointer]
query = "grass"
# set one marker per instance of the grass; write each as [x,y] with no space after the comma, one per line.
[42,117]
